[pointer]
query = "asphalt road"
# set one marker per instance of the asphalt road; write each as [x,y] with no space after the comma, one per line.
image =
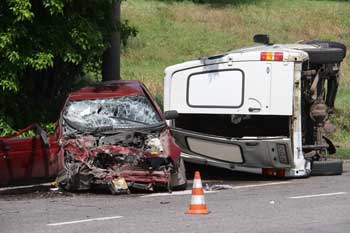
[252,204]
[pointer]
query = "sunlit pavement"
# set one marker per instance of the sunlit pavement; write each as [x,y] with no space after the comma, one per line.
[249,203]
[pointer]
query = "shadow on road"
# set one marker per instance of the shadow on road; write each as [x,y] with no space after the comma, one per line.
[221,174]
[209,174]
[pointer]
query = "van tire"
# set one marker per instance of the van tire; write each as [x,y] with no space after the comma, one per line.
[178,178]
[327,167]
[329,44]
[325,55]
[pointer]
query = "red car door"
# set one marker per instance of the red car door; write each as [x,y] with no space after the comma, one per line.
[30,158]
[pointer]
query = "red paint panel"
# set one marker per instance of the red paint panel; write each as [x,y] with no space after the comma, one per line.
[109,90]
[169,145]
[26,159]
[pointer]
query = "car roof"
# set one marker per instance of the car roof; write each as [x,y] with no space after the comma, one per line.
[108,89]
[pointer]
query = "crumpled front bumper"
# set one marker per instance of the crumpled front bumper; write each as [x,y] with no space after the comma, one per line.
[81,176]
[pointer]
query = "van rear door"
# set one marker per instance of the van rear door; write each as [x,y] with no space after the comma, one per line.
[253,87]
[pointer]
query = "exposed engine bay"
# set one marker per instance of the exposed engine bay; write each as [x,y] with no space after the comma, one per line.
[138,157]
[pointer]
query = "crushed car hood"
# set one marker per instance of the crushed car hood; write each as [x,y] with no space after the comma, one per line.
[143,159]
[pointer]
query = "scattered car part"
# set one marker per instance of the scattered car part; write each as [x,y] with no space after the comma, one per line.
[119,186]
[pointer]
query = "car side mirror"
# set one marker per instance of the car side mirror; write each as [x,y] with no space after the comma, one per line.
[261,39]
[171,115]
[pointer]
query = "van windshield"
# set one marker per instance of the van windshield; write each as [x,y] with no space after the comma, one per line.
[120,112]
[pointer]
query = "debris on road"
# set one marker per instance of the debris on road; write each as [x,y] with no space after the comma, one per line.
[216,187]
[119,186]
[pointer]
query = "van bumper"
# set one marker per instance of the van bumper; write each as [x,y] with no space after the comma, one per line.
[246,154]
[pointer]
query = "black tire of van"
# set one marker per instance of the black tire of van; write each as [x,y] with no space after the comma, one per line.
[329,44]
[327,167]
[325,55]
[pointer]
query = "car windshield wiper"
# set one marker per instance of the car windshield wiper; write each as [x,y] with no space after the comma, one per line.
[126,119]
[145,130]
[141,129]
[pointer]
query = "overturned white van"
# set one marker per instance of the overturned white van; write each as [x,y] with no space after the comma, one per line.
[262,109]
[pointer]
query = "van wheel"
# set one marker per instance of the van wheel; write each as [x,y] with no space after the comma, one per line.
[325,55]
[329,44]
[327,167]
[178,178]
[330,52]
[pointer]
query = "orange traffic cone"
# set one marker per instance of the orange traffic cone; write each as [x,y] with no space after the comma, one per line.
[197,205]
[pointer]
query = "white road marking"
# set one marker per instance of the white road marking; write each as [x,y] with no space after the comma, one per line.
[318,195]
[82,221]
[262,185]
[25,186]
[185,192]
[188,192]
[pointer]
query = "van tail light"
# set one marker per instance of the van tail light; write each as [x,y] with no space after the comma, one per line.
[273,172]
[271,56]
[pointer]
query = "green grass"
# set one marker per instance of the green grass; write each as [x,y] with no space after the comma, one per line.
[342,119]
[171,32]
[343,153]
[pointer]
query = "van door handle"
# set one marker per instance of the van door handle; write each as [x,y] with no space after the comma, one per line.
[254,109]
[252,143]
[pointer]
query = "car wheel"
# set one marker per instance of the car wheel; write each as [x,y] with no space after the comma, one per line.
[328,167]
[178,178]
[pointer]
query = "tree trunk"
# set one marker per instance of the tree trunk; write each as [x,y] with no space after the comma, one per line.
[111,57]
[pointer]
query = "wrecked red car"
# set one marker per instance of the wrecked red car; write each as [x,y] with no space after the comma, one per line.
[112,134]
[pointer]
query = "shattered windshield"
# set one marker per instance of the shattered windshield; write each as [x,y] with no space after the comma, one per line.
[120,112]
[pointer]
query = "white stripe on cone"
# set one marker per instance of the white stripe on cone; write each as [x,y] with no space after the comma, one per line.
[197,184]
[197,200]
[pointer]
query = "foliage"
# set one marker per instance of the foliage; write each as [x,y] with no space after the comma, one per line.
[5,129]
[46,48]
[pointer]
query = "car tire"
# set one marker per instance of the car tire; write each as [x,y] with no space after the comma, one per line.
[326,168]
[178,178]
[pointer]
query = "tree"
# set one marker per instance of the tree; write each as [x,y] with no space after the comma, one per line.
[111,56]
[46,47]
